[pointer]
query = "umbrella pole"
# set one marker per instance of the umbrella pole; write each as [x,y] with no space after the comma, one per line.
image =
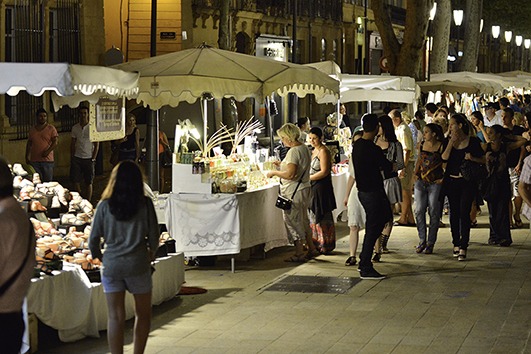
[205,119]
[338,105]
[270,123]
[369,107]
[152,161]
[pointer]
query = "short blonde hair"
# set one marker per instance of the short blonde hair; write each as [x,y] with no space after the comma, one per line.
[518,119]
[406,117]
[289,131]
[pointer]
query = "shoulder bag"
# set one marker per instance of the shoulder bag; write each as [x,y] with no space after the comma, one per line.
[285,203]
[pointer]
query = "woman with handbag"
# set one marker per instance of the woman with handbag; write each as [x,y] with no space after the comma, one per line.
[496,188]
[323,201]
[127,223]
[294,174]
[429,176]
[462,151]
[392,149]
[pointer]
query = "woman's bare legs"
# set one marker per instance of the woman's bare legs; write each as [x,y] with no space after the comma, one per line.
[116,321]
[142,321]
[353,239]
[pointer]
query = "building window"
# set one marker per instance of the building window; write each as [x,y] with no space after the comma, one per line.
[323,49]
[25,41]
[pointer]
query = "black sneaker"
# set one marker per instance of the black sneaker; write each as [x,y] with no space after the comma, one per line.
[371,274]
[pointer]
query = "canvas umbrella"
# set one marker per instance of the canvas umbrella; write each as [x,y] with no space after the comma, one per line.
[186,75]
[70,83]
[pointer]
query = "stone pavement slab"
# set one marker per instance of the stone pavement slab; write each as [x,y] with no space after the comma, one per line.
[428,304]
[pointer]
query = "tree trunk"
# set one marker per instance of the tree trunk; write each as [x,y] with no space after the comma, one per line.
[404,59]
[472,38]
[229,114]
[224,34]
[441,37]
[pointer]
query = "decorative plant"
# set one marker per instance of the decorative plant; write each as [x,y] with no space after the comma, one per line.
[222,135]
[244,129]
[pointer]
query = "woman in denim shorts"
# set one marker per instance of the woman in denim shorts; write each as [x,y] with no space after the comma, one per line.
[126,223]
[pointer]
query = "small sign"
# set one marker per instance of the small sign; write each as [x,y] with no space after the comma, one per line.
[384,63]
[107,119]
[168,35]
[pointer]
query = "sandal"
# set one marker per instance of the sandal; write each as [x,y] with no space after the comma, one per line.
[312,254]
[518,223]
[350,261]
[296,259]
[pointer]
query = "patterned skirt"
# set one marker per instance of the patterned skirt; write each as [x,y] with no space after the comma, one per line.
[323,233]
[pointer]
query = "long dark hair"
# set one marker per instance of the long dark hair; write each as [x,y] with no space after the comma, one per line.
[125,190]
[388,128]
[437,130]
[461,119]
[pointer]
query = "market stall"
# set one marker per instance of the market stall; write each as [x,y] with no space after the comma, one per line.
[221,224]
[76,308]
[193,74]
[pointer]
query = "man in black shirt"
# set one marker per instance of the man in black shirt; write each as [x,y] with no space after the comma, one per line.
[369,162]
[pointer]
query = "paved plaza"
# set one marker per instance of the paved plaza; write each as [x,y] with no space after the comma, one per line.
[428,304]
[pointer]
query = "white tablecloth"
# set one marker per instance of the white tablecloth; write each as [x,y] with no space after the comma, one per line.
[218,224]
[77,308]
[339,182]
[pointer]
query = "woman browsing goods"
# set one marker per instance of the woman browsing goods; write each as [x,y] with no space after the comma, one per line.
[126,222]
[294,176]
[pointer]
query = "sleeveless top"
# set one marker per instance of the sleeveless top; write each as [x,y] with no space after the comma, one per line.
[323,199]
[129,144]
[430,165]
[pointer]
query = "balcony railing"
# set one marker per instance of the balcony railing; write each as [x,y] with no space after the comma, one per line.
[325,9]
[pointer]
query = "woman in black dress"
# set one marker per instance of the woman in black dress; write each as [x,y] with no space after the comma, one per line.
[323,200]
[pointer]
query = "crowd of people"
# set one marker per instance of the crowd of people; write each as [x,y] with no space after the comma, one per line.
[451,163]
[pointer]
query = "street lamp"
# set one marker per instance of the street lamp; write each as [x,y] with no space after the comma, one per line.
[433,11]
[495,34]
[527,44]
[458,20]
[508,38]
[518,41]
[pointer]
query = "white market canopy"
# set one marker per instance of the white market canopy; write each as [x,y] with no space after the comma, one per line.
[186,75]
[470,82]
[380,88]
[365,88]
[71,84]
